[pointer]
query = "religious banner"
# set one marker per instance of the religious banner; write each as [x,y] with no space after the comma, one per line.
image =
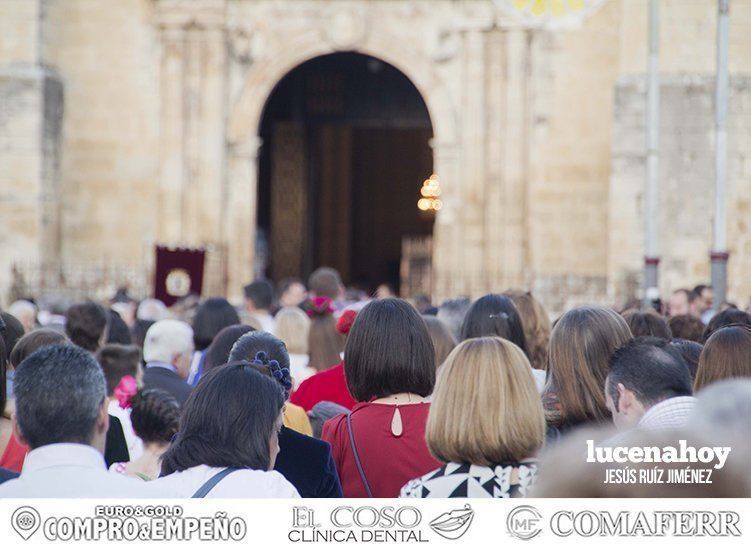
[178,273]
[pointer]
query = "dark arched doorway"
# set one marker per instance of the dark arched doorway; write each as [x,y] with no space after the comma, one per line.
[345,152]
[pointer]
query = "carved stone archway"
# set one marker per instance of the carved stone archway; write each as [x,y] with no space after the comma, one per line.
[243,142]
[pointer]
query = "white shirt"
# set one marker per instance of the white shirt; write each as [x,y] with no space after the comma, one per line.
[539,376]
[672,413]
[135,445]
[71,470]
[241,484]
[299,369]
[267,321]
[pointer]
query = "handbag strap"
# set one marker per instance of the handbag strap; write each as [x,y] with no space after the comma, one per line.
[212,482]
[357,456]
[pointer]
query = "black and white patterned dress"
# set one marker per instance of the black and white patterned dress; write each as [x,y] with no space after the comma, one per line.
[473,481]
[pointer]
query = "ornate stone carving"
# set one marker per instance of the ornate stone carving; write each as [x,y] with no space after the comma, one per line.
[345,28]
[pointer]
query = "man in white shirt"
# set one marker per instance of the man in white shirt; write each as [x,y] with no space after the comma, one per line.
[61,415]
[649,386]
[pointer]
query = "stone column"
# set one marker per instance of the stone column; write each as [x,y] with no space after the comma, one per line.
[448,244]
[512,235]
[473,132]
[240,214]
[171,164]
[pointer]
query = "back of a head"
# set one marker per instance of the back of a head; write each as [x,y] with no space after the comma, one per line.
[217,354]
[647,324]
[581,344]
[724,319]
[325,344]
[325,282]
[388,351]
[155,416]
[486,381]
[690,353]
[292,326]
[250,344]
[118,331]
[227,421]
[726,355]
[260,293]
[536,325]
[651,372]
[59,392]
[452,313]
[25,312]
[12,332]
[494,315]
[687,327]
[442,340]
[212,316]
[85,324]
[118,361]
[33,341]
[165,339]
[152,309]
[725,406]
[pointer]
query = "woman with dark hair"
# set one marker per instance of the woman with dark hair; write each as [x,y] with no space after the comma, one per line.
[389,365]
[648,323]
[217,354]
[725,318]
[86,325]
[228,439]
[248,346]
[212,316]
[726,355]
[496,315]
[154,416]
[303,460]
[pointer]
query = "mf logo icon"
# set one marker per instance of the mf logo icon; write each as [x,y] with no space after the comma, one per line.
[524,522]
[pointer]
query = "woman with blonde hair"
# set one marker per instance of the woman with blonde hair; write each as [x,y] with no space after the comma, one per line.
[486,423]
[536,325]
[293,328]
[581,345]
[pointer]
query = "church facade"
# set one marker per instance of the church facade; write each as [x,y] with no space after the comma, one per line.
[130,123]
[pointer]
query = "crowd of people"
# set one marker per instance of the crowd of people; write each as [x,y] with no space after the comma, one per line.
[300,391]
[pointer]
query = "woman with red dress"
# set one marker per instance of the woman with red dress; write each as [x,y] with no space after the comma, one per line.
[389,369]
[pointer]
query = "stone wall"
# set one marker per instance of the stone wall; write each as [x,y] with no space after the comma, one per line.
[686,181]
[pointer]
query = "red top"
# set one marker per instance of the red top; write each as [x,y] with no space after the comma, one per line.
[388,461]
[14,455]
[327,385]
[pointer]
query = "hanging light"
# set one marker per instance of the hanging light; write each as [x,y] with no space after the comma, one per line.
[430,192]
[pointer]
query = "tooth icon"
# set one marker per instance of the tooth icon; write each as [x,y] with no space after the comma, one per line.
[453,524]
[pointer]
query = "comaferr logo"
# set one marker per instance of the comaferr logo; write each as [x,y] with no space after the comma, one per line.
[453,524]
[669,523]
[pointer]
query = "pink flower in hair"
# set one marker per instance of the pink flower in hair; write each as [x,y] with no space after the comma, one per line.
[320,306]
[125,391]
